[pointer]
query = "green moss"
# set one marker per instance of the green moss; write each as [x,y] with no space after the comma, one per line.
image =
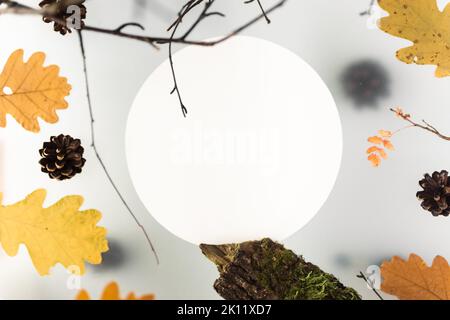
[284,272]
[261,270]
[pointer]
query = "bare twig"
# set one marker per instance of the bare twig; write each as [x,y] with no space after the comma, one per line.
[16,7]
[368,12]
[174,27]
[261,7]
[150,39]
[424,125]
[94,147]
[361,275]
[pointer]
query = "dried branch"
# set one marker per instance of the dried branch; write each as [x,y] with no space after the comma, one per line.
[424,125]
[17,8]
[262,9]
[368,12]
[174,27]
[99,158]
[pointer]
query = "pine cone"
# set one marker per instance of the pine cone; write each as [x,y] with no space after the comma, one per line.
[56,11]
[365,82]
[62,157]
[436,193]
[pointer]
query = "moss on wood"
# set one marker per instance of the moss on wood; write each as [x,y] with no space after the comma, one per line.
[265,270]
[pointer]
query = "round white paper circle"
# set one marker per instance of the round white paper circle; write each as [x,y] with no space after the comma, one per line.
[256,156]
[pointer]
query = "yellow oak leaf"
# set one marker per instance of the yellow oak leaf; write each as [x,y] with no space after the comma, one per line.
[29,90]
[111,292]
[57,234]
[414,280]
[428,28]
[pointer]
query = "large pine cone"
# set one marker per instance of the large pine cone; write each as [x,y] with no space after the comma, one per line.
[62,157]
[56,11]
[436,193]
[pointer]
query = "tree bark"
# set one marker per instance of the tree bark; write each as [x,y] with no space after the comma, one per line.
[265,270]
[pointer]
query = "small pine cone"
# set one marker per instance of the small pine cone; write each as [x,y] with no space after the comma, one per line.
[62,157]
[436,193]
[365,82]
[56,11]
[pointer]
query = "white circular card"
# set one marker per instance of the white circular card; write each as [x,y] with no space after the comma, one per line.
[257,154]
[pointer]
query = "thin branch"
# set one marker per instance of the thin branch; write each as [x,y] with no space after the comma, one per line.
[368,12]
[260,7]
[154,41]
[361,275]
[94,147]
[425,126]
[174,27]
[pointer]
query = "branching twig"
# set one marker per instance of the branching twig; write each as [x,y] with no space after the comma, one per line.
[361,275]
[262,9]
[368,12]
[150,39]
[17,8]
[94,147]
[191,4]
[425,125]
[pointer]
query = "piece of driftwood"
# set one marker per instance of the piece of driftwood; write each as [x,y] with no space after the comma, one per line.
[265,270]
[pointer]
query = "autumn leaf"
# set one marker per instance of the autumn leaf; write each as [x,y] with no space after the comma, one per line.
[414,280]
[373,149]
[388,145]
[57,234]
[385,133]
[29,90]
[374,159]
[428,28]
[375,152]
[378,150]
[111,292]
[375,140]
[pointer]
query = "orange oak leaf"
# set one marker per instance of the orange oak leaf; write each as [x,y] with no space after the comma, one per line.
[29,90]
[111,292]
[414,280]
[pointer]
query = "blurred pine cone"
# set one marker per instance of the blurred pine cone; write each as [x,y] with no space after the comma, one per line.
[56,11]
[436,193]
[62,157]
[365,82]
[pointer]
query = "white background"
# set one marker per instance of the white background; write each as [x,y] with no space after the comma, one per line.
[371,215]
